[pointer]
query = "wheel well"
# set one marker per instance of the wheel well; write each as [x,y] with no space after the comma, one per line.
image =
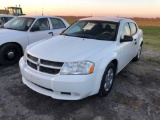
[115,62]
[15,44]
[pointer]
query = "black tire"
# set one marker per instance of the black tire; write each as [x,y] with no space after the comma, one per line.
[10,54]
[137,57]
[103,91]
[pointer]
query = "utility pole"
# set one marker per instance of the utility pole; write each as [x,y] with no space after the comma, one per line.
[42,11]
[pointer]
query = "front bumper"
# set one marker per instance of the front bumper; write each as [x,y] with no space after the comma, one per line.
[65,87]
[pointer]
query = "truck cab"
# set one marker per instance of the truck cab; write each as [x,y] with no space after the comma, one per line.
[16,11]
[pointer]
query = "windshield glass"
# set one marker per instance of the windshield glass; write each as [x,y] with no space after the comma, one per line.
[100,30]
[19,23]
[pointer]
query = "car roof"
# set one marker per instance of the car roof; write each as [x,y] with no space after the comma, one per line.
[38,16]
[5,15]
[111,19]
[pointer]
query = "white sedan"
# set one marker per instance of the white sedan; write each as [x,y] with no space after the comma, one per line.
[83,60]
[22,31]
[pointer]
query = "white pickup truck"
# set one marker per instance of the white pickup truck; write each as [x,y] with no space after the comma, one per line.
[22,31]
[83,60]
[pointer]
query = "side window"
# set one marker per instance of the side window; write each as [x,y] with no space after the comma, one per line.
[42,23]
[57,23]
[29,22]
[9,18]
[3,20]
[125,30]
[133,28]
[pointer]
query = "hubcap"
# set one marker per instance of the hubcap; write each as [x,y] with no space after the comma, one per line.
[108,79]
[10,55]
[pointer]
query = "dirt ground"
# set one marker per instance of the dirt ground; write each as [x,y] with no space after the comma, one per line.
[135,96]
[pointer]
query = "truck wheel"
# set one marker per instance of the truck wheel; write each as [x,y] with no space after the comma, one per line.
[107,80]
[10,54]
[137,57]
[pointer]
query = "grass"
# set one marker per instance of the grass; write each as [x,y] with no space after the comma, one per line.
[148,23]
[151,37]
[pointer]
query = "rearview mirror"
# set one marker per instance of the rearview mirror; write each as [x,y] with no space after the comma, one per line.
[127,39]
[36,28]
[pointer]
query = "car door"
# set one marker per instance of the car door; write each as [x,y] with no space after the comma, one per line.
[57,26]
[40,30]
[134,34]
[126,48]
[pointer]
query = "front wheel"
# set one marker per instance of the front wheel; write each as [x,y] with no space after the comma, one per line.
[107,80]
[10,54]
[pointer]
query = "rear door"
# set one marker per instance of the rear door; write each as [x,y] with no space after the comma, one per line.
[134,34]
[40,30]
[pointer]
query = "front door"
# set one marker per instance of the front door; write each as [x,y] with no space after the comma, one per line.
[126,48]
[40,30]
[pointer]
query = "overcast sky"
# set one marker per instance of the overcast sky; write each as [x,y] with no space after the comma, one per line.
[124,8]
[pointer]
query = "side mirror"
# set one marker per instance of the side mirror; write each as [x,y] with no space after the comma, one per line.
[127,39]
[33,29]
[26,28]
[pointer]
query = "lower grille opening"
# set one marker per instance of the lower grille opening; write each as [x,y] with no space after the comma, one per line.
[43,87]
[66,93]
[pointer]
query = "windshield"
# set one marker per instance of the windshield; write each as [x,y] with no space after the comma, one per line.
[100,30]
[19,23]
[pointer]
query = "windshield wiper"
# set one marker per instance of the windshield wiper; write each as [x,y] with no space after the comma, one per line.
[15,29]
[64,34]
[11,28]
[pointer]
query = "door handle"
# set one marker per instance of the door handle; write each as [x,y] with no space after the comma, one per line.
[135,41]
[51,33]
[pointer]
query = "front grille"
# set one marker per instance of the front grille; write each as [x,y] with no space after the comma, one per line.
[32,58]
[44,66]
[47,62]
[32,65]
[49,70]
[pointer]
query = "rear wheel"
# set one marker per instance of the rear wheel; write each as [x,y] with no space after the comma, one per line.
[107,80]
[10,54]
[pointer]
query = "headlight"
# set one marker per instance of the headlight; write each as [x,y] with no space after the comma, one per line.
[77,68]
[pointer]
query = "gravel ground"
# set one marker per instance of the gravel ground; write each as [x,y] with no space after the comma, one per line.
[135,96]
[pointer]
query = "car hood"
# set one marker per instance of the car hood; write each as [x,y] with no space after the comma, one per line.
[67,49]
[7,35]
[6,32]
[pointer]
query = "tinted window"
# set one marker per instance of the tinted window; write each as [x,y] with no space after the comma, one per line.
[42,23]
[133,28]
[57,23]
[125,30]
